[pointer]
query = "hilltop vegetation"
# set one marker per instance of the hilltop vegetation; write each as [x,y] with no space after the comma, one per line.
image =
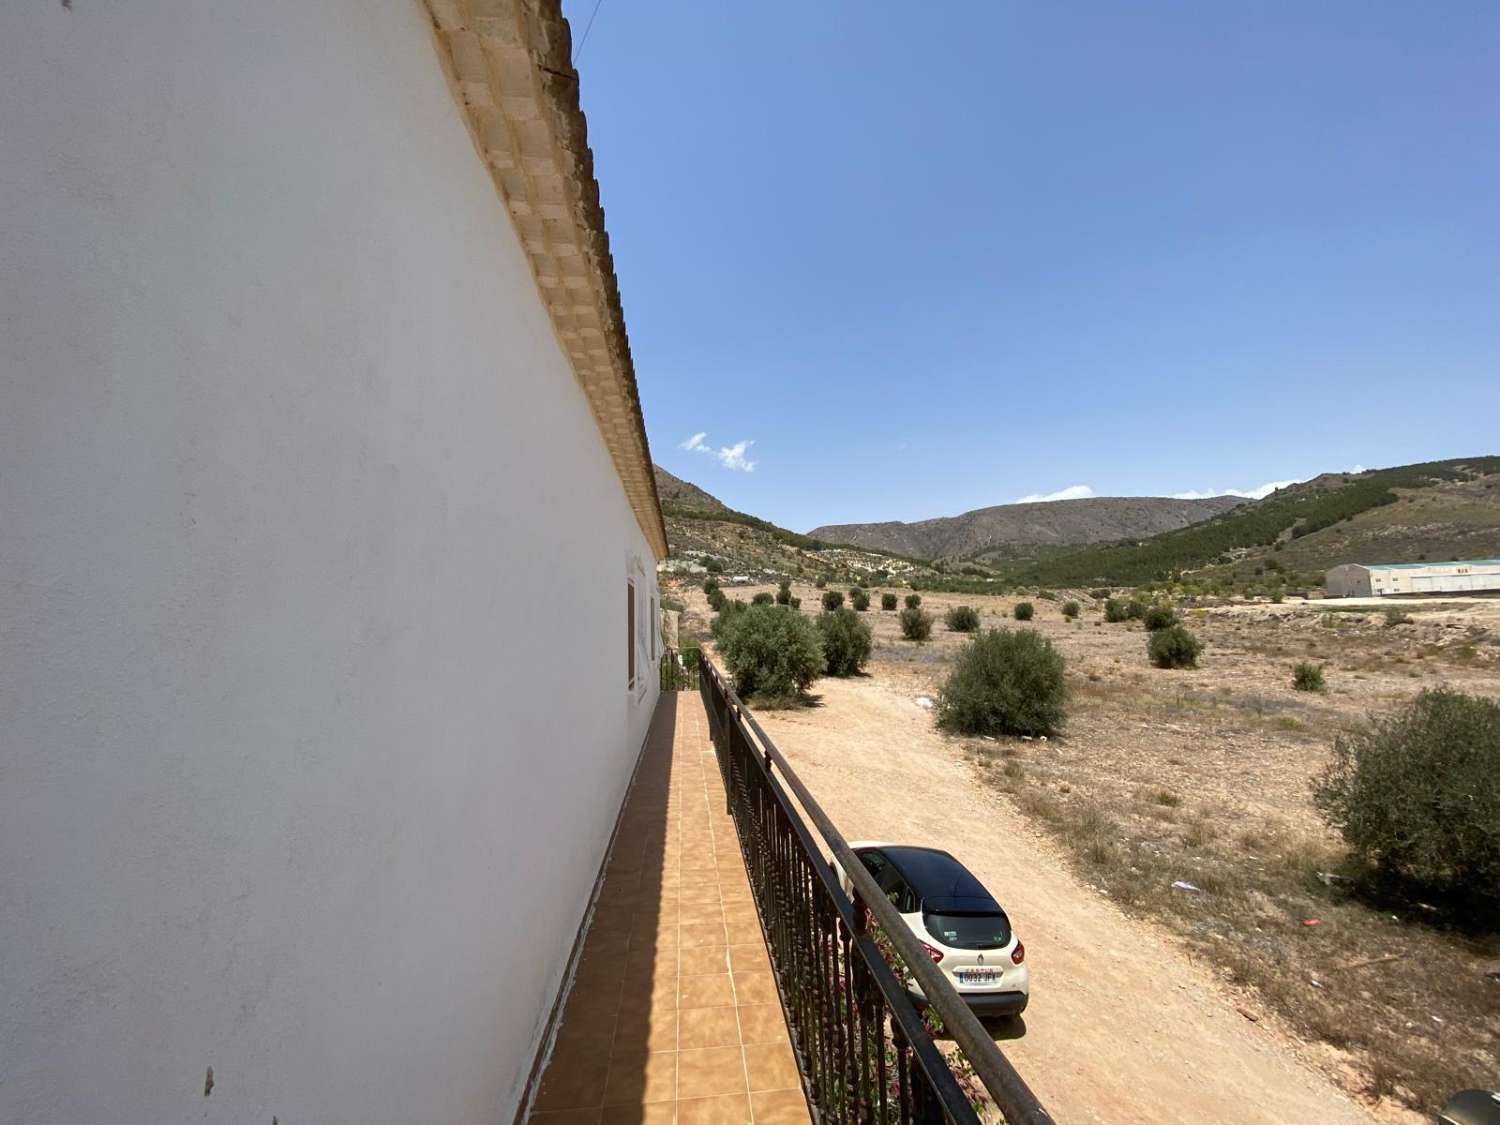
[700,526]
[1284,542]
[1254,533]
[1008,530]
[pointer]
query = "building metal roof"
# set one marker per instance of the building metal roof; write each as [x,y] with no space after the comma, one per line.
[509,62]
[1429,565]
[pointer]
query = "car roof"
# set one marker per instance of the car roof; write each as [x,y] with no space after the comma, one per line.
[940,881]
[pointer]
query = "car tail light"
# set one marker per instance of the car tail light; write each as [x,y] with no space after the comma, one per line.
[1018,954]
[935,954]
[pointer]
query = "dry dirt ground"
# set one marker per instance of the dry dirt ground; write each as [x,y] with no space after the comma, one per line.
[1128,1021]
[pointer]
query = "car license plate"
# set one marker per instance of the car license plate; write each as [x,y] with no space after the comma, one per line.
[978,976]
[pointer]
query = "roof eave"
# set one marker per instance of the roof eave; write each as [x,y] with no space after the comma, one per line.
[511,69]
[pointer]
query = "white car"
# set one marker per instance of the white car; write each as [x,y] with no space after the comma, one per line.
[964,930]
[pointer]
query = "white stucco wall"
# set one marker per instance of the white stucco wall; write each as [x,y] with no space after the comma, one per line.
[313,719]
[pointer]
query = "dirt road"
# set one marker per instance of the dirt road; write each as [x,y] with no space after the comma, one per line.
[1122,1027]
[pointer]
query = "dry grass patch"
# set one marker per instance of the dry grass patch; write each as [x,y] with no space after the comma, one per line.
[1406,998]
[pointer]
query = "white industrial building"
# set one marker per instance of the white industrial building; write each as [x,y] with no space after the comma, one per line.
[1355,580]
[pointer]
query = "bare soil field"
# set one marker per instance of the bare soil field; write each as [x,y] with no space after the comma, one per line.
[1267,992]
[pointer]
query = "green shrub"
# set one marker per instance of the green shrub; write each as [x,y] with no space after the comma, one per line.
[913,600]
[713,566]
[846,642]
[763,598]
[1046,595]
[820,582]
[1307,676]
[832,599]
[796,602]
[1158,617]
[710,585]
[1024,611]
[1115,611]
[1417,794]
[916,623]
[887,601]
[772,653]
[1070,610]
[860,600]
[1394,616]
[716,600]
[784,592]
[1174,647]
[1135,609]
[673,604]
[962,619]
[728,611]
[855,590]
[1100,594]
[1008,681]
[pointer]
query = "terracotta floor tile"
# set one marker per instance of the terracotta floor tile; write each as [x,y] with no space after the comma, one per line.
[567,1117]
[709,991]
[710,1070]
[701,933]
[755,987]
[703,960]
[733,1109]
[771,1066]
[637,1078]
[574,1082]
[700,913]
[749,958]
[656,1030]
[779,1107]
[653,962]
[708,1027]
[651,1033]
[584,1030]
[654,1113]
[663,997]
[744,933]
[762,1023]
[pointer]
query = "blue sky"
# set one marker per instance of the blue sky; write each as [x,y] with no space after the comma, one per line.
[920,259]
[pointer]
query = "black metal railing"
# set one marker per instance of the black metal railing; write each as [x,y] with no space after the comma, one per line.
[679,669]
[865,1052]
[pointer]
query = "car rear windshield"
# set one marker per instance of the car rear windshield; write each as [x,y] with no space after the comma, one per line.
[969,931]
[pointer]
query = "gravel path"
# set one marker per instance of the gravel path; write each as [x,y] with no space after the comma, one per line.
[1122,1027]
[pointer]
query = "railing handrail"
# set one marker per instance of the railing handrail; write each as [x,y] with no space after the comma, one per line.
[999,1078]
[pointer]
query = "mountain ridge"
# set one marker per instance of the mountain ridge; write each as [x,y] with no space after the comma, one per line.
[1053,523]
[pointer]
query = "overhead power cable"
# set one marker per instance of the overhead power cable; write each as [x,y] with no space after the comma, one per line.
[587,28]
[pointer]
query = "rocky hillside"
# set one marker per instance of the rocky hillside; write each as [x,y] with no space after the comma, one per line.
[701,527]
[1057,523]
[674,492]
[1433,510]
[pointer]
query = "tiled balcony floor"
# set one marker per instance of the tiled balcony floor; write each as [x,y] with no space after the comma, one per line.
[673,1016]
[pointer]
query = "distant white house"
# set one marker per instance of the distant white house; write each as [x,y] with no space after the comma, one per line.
[1356,580]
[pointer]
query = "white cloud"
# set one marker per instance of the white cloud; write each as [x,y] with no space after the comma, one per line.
[1357,469]
[1072,492]
[1258,492]
[732,457]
